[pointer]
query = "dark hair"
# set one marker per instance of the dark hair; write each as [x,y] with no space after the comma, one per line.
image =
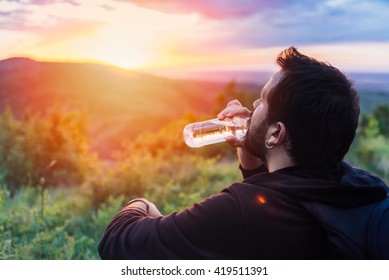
[319,107]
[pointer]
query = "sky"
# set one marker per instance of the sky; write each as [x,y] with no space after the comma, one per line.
[197,34]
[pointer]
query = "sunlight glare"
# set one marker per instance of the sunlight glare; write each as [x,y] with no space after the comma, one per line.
[124,48]
[138,38]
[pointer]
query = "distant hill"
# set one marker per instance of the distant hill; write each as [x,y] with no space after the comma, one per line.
[373,88]
[119,103]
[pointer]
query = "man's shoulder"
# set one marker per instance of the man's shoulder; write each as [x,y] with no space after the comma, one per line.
[254,194]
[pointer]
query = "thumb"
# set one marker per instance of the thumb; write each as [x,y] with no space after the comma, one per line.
[235,142]
[153,210]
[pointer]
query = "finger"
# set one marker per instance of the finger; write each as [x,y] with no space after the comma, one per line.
[233,111]
[234,102]
[225,111]
[235,142]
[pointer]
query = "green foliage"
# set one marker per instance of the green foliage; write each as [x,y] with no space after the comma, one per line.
[368,126]
[188,180]
[371,153]
[381,114]
[28,147]
[72,223]
[370,149]
[69,229]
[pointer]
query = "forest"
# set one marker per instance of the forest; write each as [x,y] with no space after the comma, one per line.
[57,193]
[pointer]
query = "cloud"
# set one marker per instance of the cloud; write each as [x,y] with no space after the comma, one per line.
[233,23]
[20,14]
[237,24]
[347,21]
[39,24]
[28,15]
[334,21]
[216,9]
[44,2]
[191,28]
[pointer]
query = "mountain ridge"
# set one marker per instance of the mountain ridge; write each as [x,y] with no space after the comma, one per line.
[121,103]
[115,100]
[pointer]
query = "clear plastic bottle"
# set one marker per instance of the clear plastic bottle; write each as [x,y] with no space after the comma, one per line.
[204,133]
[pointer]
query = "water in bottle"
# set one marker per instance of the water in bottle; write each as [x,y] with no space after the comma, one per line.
[214,131]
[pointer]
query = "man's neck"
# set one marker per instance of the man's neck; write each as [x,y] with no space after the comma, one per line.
[278,161]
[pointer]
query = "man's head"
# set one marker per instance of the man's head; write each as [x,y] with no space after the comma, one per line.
[313,105]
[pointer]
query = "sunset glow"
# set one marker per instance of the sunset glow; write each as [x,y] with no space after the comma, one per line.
[171,34]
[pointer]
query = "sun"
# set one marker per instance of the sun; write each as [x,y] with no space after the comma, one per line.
[124,49]
[126,58]
[137,38]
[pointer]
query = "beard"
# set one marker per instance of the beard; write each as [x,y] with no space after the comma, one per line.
[255,139]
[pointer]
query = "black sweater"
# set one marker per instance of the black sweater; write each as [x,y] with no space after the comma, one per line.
[287,214]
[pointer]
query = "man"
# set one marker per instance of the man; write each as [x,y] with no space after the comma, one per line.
[297,195]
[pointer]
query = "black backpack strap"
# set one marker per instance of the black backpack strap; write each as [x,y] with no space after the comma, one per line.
[378,231]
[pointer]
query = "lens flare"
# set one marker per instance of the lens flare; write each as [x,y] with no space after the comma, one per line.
[261,199]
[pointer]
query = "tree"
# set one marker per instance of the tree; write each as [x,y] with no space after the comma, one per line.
[368,126]
[30,145]
[235,91]
[381,114]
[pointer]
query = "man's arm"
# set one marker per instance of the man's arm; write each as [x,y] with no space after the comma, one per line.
[199,232]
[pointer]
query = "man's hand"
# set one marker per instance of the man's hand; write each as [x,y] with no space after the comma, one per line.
[235,108]
[147,206]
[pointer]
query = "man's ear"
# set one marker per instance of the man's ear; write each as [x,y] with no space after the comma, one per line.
[278,134]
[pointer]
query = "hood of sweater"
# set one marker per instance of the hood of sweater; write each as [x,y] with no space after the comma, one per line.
[343,186]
